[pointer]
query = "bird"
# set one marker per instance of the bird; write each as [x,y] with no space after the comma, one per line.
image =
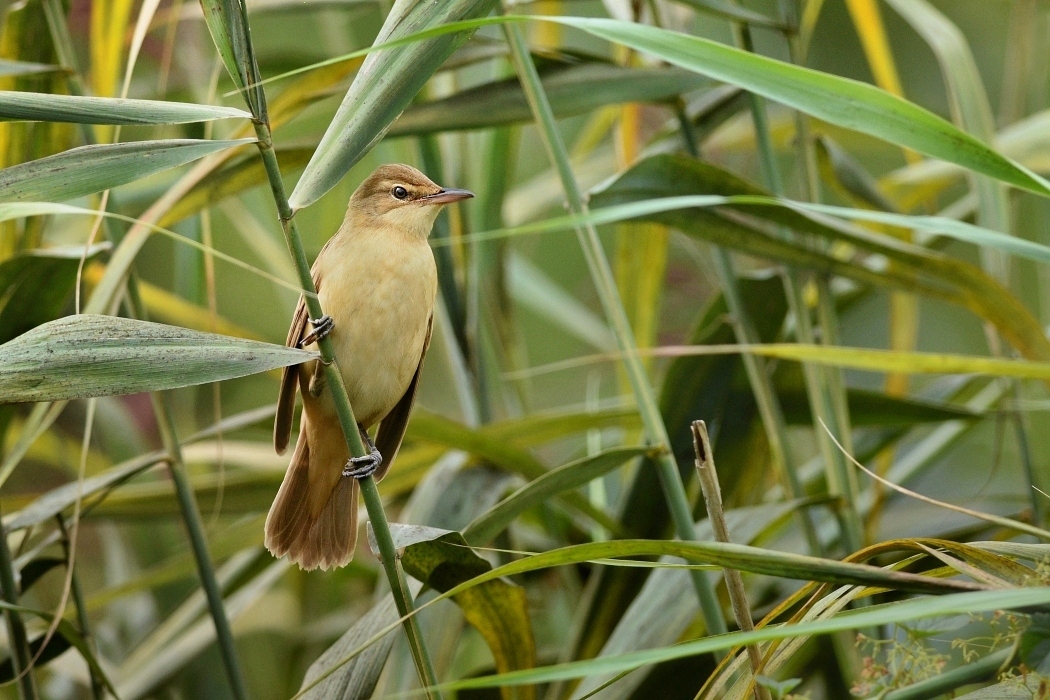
[376,281]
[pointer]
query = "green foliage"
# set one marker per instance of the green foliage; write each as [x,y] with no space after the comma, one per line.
[548,467]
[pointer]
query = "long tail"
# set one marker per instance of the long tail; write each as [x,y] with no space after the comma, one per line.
[314,517]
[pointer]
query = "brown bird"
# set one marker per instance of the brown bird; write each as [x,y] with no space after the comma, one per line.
[376,281]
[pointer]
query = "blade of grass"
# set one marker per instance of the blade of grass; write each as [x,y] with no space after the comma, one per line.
[752,559]
[923,608]
[93,355]
[32,106]
[705,467]
[89,169]
[385,85]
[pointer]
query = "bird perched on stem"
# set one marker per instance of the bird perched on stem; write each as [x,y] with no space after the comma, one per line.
[376,281]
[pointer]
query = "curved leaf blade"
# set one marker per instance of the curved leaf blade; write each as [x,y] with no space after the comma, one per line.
[35,106]
[387,82]
[836,100]
[89,169]
[12,68]
[89,355]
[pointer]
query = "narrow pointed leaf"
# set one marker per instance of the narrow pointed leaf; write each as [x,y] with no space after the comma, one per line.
[443,431]
[34,106]
[841,101]
[90,169]
[88,355]
[385,85]
[12,68]
[58,499]
[218,21]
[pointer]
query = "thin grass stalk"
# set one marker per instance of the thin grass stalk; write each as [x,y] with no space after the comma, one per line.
[191,516]
[484,299]
[712,491]
[833,383]
[761,386]
[670,477]
[16,628]
[816,379]
[373,502]
[98,691]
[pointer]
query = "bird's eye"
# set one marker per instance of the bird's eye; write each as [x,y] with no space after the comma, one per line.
[399,192]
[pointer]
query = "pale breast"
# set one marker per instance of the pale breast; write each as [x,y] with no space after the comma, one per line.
[380,294]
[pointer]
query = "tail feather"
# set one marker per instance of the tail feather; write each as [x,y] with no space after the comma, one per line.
[315,529]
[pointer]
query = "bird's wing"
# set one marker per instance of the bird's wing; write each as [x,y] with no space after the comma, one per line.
[392,427]
[282,425]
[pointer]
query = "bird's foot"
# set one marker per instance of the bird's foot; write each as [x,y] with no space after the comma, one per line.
[361,467]
[322,327]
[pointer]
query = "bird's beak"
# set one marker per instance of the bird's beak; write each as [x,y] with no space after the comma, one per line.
[447,195]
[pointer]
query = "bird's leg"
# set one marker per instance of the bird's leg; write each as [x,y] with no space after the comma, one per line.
[322,327]
[360,467]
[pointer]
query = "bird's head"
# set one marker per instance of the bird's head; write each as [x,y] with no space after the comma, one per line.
[401,196]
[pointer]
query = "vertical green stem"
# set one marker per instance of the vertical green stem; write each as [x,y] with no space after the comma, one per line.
[191,516]
[670,477]
[98,691]
[765,396]
[16,628]
[373,503]
[705,469]
[817,382]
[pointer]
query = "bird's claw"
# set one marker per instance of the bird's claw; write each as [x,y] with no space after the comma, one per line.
[361,467]
[322,327]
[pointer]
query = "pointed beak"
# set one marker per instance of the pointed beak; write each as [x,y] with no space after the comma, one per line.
[447,195]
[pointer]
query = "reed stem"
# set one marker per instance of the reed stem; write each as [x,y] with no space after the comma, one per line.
[769,408]
[708,475]
[670,477]
[98,691]
[191,516]
[373,502]
[16,628]
[818,389]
